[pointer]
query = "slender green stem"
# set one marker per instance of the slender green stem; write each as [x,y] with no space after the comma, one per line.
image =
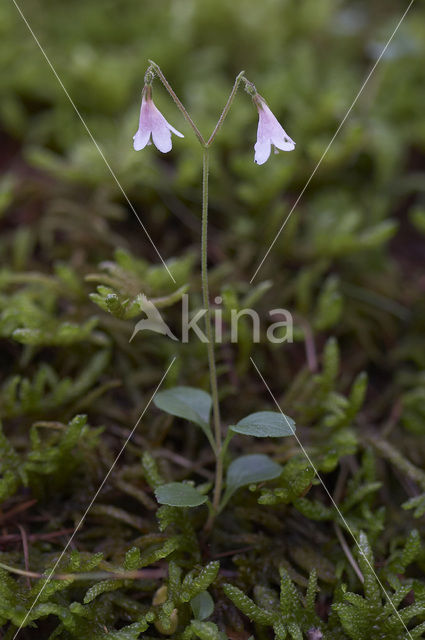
[210,343]
[226,108]
[219,450]
[170,90]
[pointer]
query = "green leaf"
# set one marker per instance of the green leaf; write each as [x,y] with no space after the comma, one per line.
[179,494]
[265,424]
[202,605]
[249,470]
[189,403]
[186,402]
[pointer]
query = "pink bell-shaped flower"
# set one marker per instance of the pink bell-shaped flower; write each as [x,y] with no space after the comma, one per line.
[270,132]
[152,123]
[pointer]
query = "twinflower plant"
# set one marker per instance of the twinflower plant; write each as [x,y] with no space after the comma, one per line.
[189,403]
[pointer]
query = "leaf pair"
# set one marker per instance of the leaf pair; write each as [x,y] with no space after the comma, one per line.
[242,472]
[195,405]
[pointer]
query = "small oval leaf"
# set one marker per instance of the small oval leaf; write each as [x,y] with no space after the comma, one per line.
[186,402]
[189,403]
[202,605]
[265,424]
[179,494]
[249,470]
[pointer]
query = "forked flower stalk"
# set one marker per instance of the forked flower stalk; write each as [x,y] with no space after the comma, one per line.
[152,123]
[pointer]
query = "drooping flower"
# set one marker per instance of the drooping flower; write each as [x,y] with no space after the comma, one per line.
[270,132]
[152,123]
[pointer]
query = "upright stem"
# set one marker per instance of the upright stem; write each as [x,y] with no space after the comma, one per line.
[152,70]
[210,344]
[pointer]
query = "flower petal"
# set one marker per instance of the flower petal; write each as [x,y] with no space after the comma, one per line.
[262,150]
[161,129]
[282,141]
[171,128]
[141,139]
[161,136]
[278,135]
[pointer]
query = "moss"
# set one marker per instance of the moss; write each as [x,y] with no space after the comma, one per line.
[280,560]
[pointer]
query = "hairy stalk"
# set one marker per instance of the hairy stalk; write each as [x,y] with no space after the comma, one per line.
[210,343]
[226,107]
[172,93]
